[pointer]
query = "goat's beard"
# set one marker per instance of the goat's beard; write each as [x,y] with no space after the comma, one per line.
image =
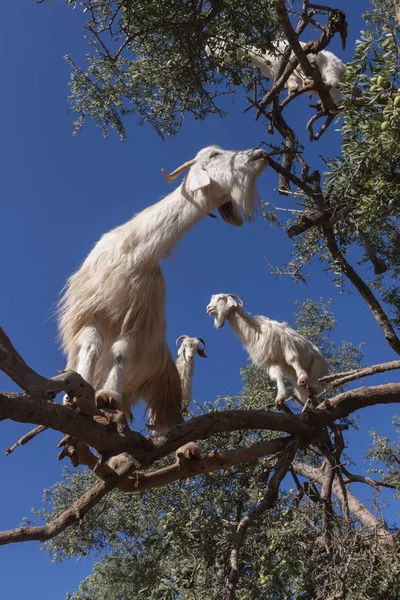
[243,203]
[219,321]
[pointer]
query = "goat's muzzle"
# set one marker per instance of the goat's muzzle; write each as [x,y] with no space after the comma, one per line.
[259,154]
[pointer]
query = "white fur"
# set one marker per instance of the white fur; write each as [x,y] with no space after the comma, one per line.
[273,346]
[185,364]
[112,321]
[330,66]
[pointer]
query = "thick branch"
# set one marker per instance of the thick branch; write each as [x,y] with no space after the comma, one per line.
[109,440]
[106,439]
[344,404]
[215,461]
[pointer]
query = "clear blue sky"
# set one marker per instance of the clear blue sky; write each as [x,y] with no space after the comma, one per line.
[61,193]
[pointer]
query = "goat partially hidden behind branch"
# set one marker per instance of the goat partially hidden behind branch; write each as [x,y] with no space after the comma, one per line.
[331,67]
[112,320]
[273,346]
[187,351]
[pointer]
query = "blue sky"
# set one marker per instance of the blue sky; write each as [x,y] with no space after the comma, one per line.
[61,193]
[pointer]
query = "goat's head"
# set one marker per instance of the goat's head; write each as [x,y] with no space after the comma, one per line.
[227,178]
[221,306]
[188,346]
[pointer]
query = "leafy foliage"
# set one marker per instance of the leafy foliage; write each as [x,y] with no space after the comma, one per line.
[175,542]
[148,58]
[385,454]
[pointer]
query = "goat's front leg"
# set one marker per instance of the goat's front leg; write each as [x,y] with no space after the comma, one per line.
[276,374]
[90,344]
[110,395]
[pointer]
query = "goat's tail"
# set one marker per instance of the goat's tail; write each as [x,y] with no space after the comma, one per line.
[163,396]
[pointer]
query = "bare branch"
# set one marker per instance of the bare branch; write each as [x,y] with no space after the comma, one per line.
[215,461]
[337,379]
[355,506]
[330,215]
[26,438]
[363,289]
[374,483]
[271,495]
[74,513]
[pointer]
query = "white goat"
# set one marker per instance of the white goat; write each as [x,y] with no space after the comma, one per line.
[330,66]
[185,364]
[274,346]
[112,320]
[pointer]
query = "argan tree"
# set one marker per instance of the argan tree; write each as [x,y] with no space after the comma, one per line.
[268,511]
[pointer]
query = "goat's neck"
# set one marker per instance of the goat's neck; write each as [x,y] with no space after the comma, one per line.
[185,371]
[243,324]
[154,231]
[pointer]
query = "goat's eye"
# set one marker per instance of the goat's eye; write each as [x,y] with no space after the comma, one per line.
[213,154]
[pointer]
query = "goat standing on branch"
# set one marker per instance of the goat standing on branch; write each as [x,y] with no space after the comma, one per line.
[187,351]
[112,319]
[274,346]
[331,67]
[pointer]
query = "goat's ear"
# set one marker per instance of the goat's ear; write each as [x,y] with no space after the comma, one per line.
[231,302]
[230,213]
[202,353]
[198,178]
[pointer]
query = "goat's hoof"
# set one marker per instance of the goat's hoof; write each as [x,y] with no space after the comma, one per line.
[189,451]
[108,399]
[302,381]
[280,399]
[115,462]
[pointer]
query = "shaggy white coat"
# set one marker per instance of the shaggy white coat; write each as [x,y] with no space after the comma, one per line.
[187,351]
[274,346]
[111,317]
[331,67]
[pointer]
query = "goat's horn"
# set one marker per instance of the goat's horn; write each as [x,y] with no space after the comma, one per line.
[203,342]
[170,177]
[237,298]
[181,337]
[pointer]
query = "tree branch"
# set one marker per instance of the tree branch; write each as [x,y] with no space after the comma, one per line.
[355,506]
[271,495]
[337,379]
[26,438]
[363,289]
[332,215]
[74,513]
[215,461]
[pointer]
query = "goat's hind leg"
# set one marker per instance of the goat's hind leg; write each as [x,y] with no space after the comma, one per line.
[302,375]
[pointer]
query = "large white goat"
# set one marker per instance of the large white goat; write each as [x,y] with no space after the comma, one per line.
[274,346]
[331,67]
[187,350]
[112,319]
